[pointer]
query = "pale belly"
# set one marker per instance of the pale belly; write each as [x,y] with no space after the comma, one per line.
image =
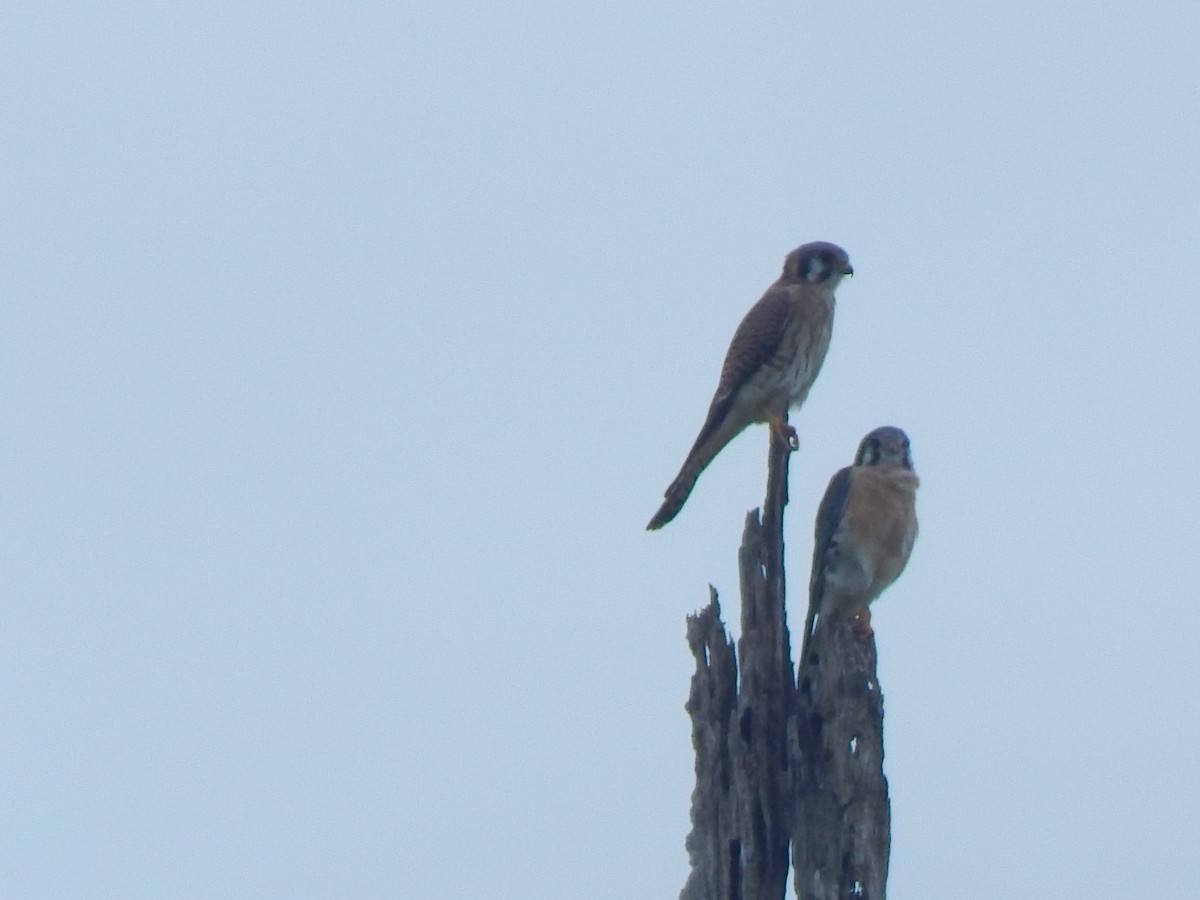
[787,383]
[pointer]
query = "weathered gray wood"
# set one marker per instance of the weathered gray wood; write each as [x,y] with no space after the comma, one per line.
[740,704]
[780,762]
[712,702]
[842,834]
[765,694]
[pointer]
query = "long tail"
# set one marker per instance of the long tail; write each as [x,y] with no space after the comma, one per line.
[681,488]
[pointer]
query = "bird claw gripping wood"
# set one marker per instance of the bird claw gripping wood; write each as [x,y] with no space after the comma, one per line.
[785,434]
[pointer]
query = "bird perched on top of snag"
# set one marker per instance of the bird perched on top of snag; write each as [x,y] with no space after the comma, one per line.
[775,356]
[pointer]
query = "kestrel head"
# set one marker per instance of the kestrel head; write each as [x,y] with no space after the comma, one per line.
[817,263]
[886,446]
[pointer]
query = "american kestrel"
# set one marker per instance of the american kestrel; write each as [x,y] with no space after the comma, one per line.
[772,361]
[866,528]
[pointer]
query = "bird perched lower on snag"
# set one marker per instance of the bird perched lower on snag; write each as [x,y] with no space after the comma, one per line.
[775,356]
[866,528]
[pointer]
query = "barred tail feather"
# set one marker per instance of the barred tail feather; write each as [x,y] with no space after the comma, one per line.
[681,488]
[676,496]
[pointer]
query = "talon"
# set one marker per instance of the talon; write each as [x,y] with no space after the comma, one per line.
[860,624]
[785,434]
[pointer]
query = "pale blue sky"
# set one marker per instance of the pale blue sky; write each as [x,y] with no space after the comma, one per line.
[347,348]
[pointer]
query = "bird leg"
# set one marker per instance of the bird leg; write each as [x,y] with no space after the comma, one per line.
[860,624]
[783,432]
